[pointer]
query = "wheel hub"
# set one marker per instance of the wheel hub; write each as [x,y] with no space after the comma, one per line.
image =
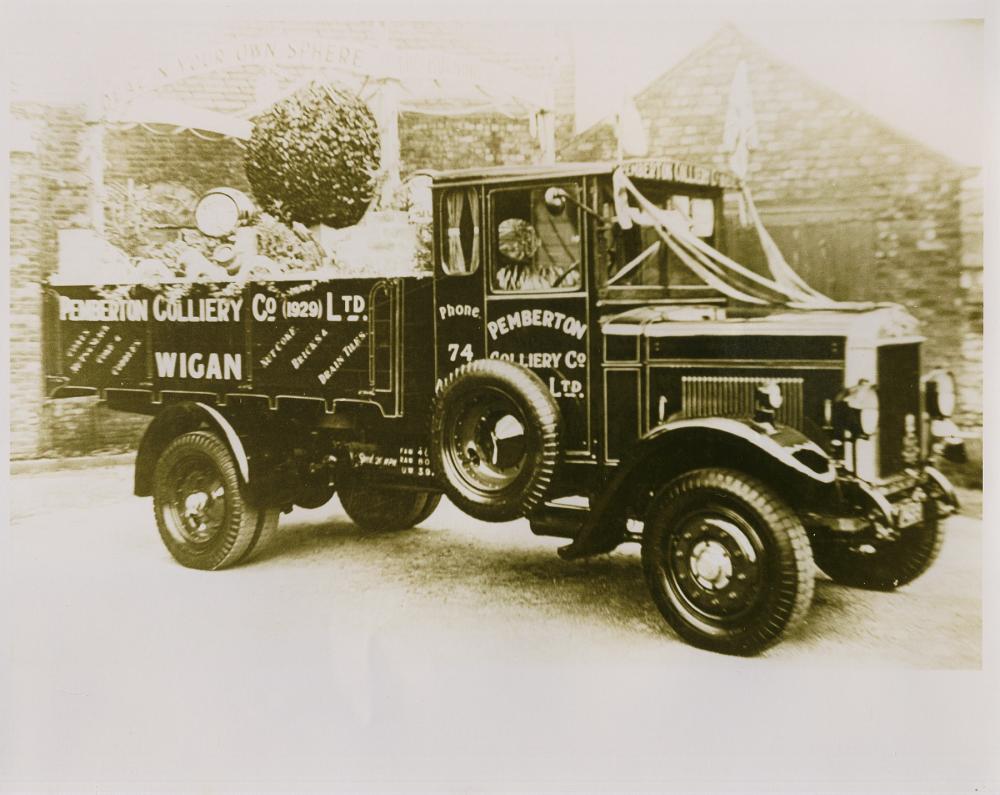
[194,505]
[200,504]
[711,565]
[489,442]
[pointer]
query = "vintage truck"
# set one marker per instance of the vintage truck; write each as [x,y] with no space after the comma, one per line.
[582,355]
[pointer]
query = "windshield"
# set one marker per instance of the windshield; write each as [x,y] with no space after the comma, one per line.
[635,262]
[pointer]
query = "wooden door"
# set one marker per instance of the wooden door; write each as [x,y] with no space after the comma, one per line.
[835,255]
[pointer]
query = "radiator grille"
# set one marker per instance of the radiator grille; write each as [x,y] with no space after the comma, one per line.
[733,396]
[898,395]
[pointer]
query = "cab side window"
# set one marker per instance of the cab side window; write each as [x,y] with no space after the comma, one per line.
[536,240]
[460,222]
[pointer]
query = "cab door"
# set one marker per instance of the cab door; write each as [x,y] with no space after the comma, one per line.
[459,284]
[537,313]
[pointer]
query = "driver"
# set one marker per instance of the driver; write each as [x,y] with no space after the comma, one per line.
[533,262]
[532,274]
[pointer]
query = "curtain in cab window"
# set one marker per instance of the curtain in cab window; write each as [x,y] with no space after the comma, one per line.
[461,252]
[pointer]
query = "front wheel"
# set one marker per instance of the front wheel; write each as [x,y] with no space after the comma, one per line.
[200,505]
[374,507]
[727,562]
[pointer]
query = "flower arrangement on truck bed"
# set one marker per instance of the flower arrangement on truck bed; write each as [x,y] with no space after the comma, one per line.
[313,166]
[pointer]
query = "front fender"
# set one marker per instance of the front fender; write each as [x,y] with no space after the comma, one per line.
[782,457]
[782,443]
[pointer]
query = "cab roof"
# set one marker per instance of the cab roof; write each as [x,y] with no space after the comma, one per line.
[660,169]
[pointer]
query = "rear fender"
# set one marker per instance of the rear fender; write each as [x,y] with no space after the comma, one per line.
[178,419]
[782,457]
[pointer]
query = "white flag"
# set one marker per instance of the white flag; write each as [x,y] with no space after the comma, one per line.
[740,136]
[632,138]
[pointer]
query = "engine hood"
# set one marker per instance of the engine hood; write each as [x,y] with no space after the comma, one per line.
[867,326]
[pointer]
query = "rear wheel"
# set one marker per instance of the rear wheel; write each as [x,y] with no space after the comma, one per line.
[727,562]
[374,507]
[883,564]
[200,505]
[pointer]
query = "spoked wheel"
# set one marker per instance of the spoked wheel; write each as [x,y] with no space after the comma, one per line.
[495,439]
[375,507]
[200,509]
[727,562]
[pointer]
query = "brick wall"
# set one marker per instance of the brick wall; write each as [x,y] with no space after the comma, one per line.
[438,142]
[443,142]
[839,189]
[28,189]
[50,190]
[150,158]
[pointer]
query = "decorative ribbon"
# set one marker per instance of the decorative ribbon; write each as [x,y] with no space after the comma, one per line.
[712,266]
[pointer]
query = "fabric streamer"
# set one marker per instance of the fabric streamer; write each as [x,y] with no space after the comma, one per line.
[715,269]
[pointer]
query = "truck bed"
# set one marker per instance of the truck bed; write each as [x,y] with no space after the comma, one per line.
[352,339]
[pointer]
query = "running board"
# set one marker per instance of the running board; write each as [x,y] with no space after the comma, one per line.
[560,518]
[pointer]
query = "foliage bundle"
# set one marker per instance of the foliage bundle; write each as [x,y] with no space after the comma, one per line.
[313,157]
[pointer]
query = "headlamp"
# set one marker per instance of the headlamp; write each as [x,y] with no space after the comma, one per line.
[769,397]
[939,394]
[857,410]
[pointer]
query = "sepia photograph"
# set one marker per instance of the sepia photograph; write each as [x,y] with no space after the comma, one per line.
[556,397]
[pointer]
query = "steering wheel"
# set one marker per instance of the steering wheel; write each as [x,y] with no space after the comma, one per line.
[565,273]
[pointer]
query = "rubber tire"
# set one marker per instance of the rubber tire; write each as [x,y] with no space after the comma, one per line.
[892,565]
[543,426]
[265,535]
[789,571]
[385,508]
[247,529]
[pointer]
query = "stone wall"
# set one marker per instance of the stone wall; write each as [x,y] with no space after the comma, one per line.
[970,377]
[860,209]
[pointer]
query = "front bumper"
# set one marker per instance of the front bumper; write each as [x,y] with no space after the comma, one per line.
[888,506]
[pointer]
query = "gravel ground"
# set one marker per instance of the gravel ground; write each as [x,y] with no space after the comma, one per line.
[338,645]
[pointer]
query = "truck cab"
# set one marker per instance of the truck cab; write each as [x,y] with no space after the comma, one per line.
[530,264]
